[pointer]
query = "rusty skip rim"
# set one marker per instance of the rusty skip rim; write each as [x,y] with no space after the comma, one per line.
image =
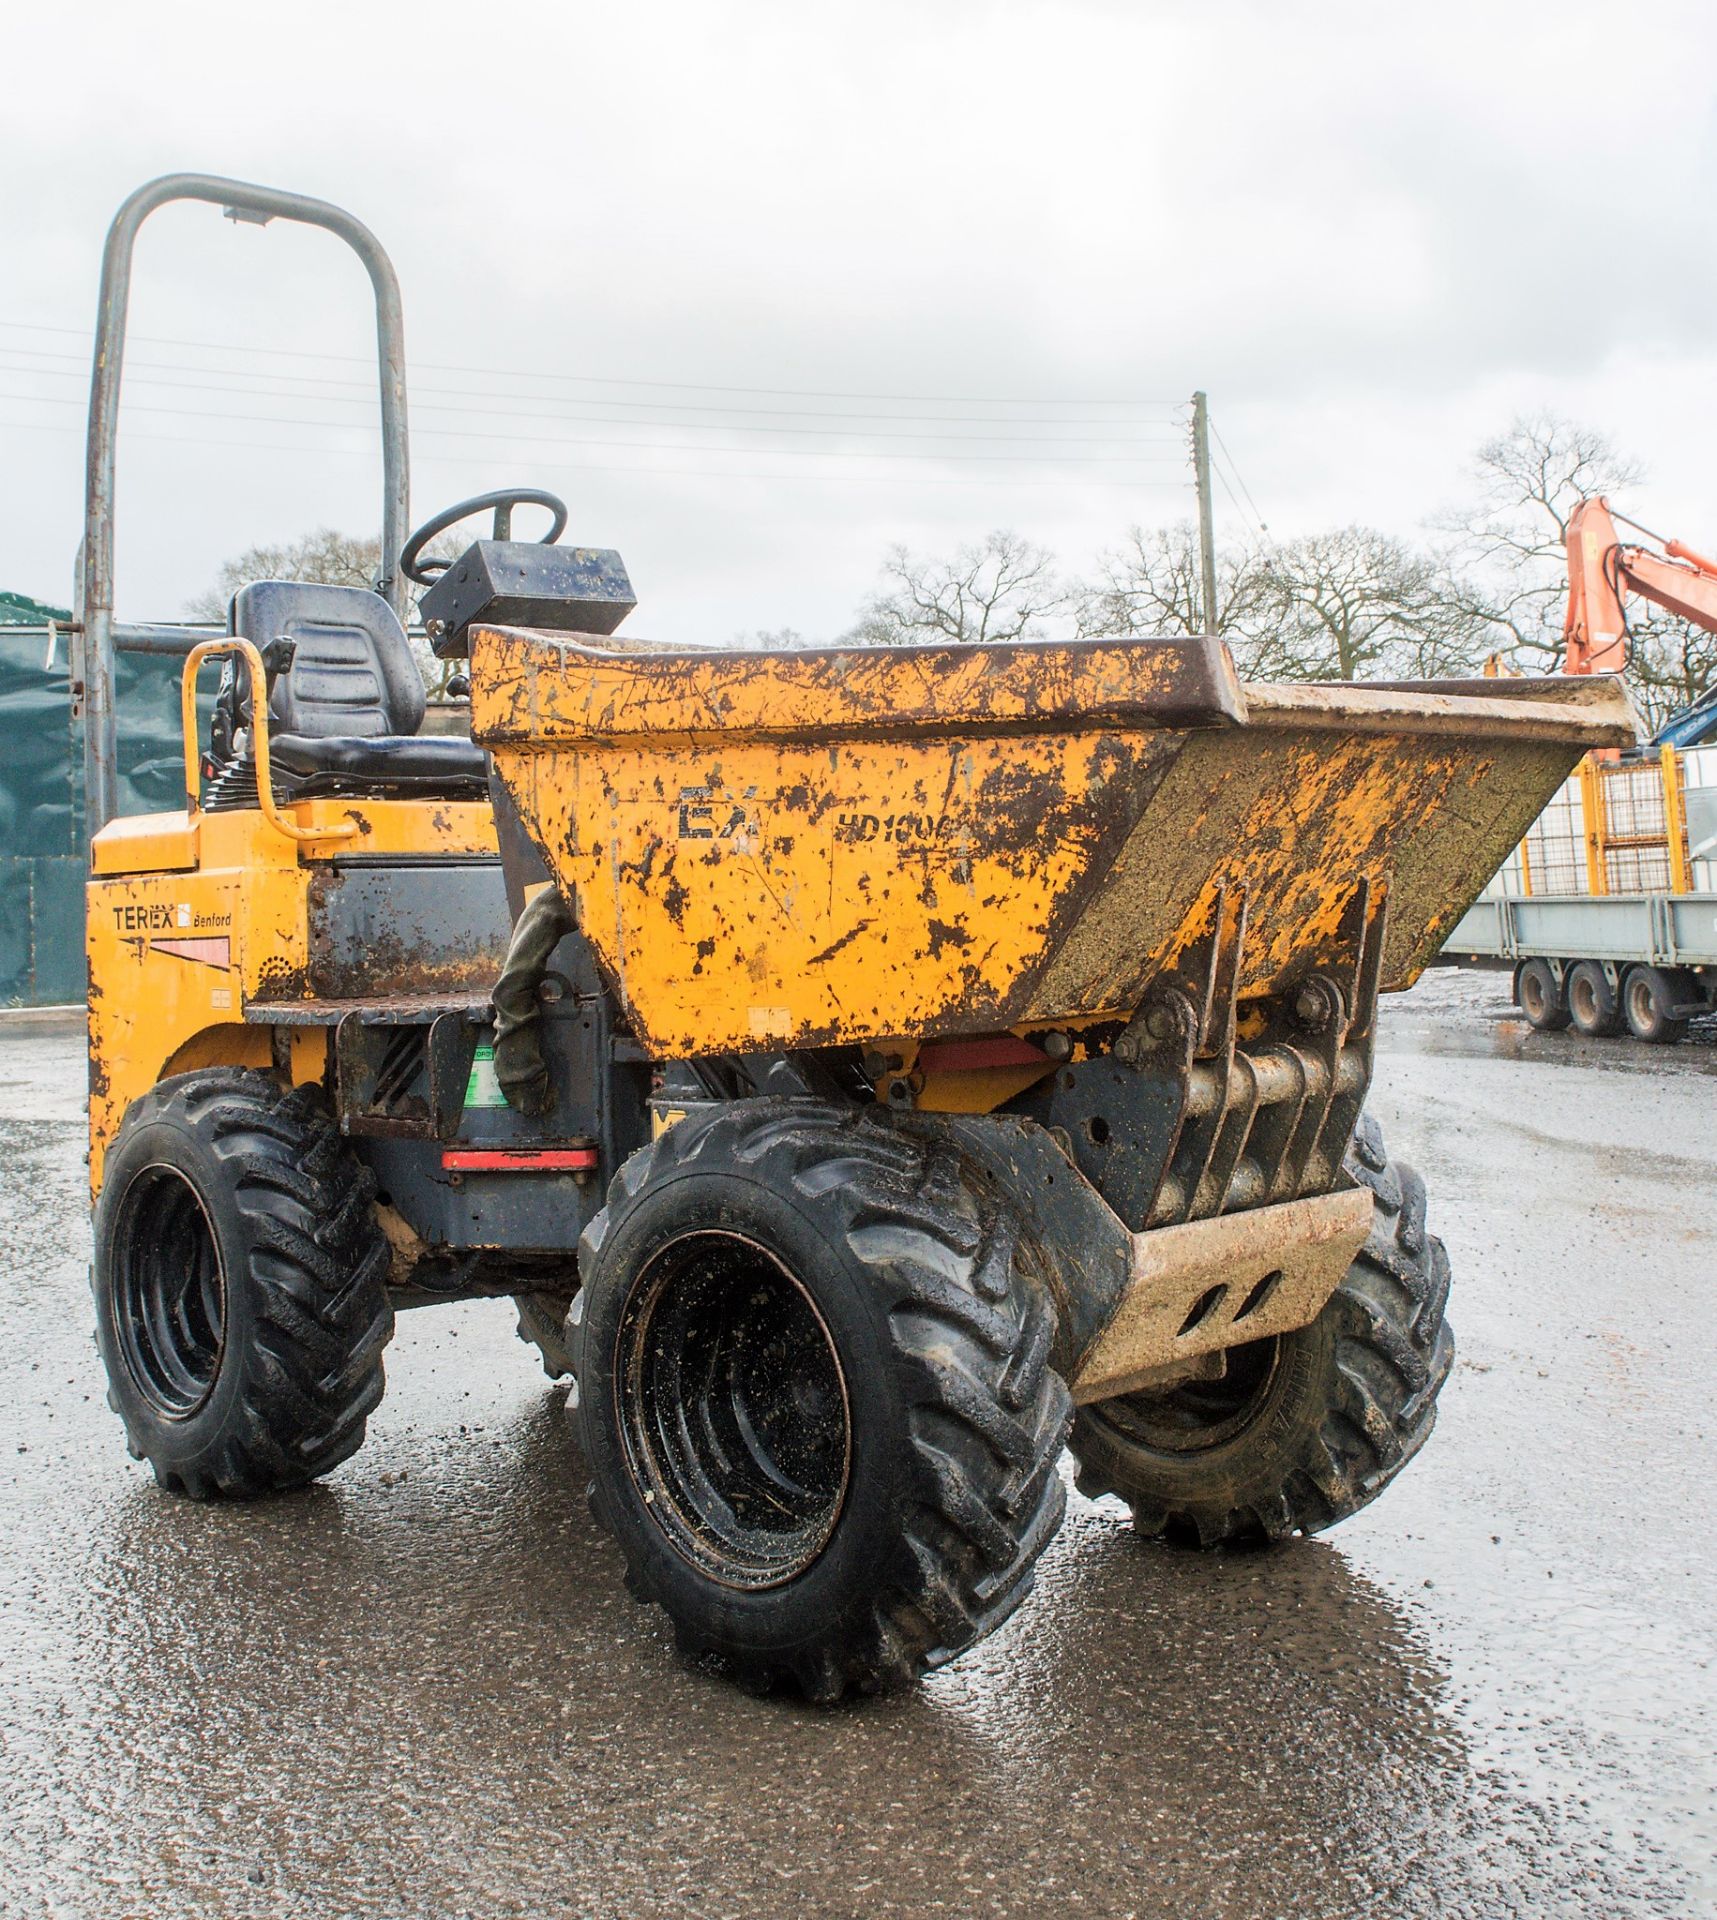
[1558,710]
[535,689]
[540,690]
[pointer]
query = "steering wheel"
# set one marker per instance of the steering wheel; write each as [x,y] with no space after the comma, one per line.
[425,572]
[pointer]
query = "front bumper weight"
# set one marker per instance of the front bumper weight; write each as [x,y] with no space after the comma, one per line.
[1195,1289]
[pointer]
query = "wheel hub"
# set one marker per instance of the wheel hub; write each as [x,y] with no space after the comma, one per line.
[1197,1415]
[734,1409]
[170,1292]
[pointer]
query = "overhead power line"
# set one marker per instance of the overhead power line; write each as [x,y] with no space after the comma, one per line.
[613,380]
[1233,468]
[723,474]
[421,406]
[584,440]
[1222,481]
[1163,425]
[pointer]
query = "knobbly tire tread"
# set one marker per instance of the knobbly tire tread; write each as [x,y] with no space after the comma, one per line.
[542,1324]
[971,1327]
[1390,1350]
[316,1273]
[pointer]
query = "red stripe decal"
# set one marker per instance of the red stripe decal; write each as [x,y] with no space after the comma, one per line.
[518,1159]
[961,1056]
[211,950]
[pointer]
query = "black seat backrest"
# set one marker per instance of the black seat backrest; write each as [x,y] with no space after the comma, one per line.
[352,669]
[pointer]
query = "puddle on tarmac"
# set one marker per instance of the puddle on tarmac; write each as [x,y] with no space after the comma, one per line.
[421,1688]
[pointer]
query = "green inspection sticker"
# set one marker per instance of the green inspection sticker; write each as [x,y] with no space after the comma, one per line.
[483,1089]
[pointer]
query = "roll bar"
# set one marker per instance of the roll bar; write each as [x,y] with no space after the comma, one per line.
[250,660]
[95,634]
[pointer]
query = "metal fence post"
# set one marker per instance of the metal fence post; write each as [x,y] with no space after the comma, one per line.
[1674,822]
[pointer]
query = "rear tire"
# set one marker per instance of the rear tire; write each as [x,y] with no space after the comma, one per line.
[240,1285]
[815,1394]
[1649,998]
[1540,998]
[1308,1427]
[1593,1004]
[542,1324]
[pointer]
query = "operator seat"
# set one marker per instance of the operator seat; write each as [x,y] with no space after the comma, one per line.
[343,717]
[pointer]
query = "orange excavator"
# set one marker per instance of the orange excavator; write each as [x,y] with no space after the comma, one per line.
[1626,950]
[1603,571]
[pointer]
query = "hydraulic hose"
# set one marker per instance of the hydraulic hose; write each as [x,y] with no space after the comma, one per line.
[519,1064]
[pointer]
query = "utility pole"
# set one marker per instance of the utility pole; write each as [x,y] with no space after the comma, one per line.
[1206,530]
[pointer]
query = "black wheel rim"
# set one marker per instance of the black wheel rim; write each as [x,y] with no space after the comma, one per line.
[169,1294]
[1198,1415]
[734,1409]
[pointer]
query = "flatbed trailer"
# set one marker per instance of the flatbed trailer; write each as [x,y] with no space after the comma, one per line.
[1606,914]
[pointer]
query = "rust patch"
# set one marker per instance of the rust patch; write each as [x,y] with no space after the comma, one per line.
[943,841]
[829,952]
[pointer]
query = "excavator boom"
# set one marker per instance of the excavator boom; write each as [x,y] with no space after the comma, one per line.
[1603,571]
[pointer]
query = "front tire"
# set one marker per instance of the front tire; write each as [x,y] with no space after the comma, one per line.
[240,1285]
[815,1395]
[1303,1429]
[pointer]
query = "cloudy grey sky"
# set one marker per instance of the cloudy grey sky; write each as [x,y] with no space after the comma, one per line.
[762,288]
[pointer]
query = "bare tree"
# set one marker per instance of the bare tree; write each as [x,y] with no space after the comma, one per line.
[1528,482]
[1345,605]
[1357,604]
[323,556]
[1151,585]
[1514,530]
[1671,663]
[1003,588]
[769,640]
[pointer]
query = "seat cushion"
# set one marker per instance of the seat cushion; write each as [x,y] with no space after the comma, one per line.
[406,763]
[352,672]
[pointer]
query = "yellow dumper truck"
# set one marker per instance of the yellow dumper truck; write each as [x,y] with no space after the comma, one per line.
[872,1071]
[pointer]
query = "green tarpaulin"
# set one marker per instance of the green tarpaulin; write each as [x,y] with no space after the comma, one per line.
[42,854]
[19,610]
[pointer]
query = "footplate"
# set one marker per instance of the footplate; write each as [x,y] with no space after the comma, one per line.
[1196,1288]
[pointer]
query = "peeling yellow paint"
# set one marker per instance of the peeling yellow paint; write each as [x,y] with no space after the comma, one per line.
[175,956]
[826,847]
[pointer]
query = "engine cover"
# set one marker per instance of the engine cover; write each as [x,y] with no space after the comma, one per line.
[522,583]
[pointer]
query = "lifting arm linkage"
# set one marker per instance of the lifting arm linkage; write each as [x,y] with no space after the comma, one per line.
[1602,572]
[94,635]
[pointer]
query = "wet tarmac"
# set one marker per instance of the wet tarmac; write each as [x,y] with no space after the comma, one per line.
[419,1689]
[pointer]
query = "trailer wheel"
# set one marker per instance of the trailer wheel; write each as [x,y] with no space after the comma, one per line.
[1593,1003]
[1649,1000]
[1303,1429]
[815,1394]
[1540,998]
[240,1285]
